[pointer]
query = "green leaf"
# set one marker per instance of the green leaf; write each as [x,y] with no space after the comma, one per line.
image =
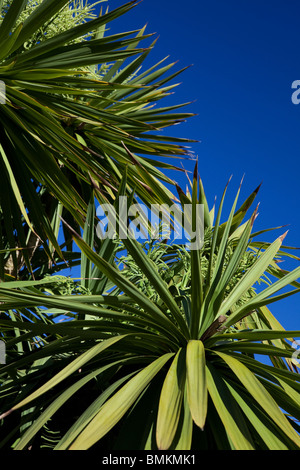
[260,394]
[264,297]
[214,242]
[88,237]
[240,213]
[170,402]
[66,372]
[232,420]
[251,276]
[43,13]
[90,413]
[186,429]
[15,187]
[70,34]
[249,347]
[196,271]
[113,410]
[149,269]
[10,19]
[129,288]
[263,429]
[196,381]
[57,404]
[8,43]
[208,310]
[255,335]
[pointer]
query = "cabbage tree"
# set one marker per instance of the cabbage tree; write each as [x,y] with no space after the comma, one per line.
[162,349]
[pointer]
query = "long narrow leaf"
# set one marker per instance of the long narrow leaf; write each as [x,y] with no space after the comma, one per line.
[66,372]
[113,410]
[222,400]
[251,276]
[170,402]
[260,394]
[196,381]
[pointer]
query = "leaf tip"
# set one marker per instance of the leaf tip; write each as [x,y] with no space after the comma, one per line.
[282,237]
[255,214]
[258,188]
[196,170]
[6,413]
[228,181]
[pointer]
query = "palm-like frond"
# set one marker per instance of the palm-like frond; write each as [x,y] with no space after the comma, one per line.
[155,369]
[71,109]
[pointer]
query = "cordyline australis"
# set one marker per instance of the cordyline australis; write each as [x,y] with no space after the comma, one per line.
[160,345]
[179,332]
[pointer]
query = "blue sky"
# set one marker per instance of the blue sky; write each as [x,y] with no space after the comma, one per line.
[244,57]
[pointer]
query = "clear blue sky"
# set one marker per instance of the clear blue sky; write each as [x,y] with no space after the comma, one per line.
[245,57]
